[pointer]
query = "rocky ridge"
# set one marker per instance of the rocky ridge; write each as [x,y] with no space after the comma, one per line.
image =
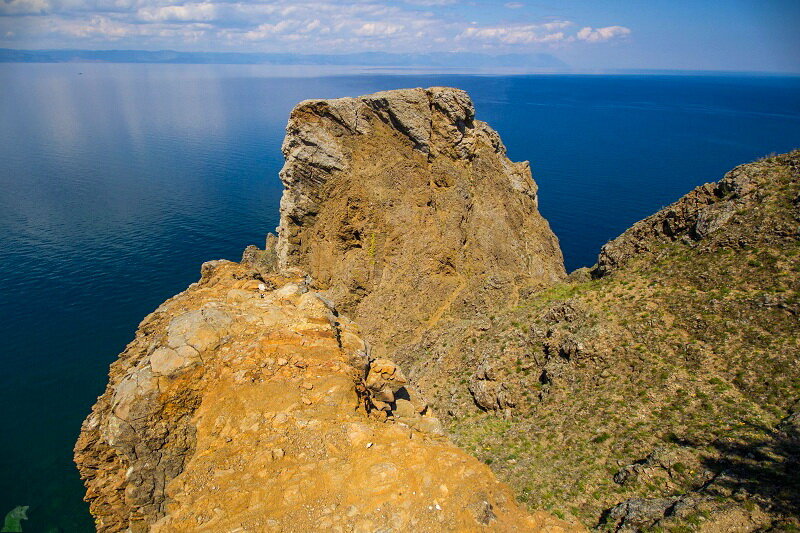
[657,390]
[248,402]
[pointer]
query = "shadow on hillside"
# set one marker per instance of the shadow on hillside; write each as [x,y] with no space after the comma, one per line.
[765,471]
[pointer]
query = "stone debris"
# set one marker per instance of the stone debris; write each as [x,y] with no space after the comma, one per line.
[383,381]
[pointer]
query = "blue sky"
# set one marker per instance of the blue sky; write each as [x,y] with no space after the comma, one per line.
[587,34]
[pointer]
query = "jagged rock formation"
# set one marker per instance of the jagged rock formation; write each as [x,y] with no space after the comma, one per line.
[662,394]
[695,216]
[405,209]
[247,403]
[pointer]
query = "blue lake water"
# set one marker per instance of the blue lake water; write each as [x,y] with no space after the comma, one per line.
[118,181]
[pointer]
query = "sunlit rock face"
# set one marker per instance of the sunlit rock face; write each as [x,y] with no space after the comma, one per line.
[405,209]
[248,402]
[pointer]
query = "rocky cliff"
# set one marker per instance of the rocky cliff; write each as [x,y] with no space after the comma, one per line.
[405,209]
[249,402]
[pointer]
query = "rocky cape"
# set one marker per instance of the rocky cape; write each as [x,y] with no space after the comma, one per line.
[414,309]
[250,401]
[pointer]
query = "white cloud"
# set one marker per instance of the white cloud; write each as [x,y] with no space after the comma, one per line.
[556,25]
[183,13]
[311,26]
[513,34]
[265,31]
[24,7]
[301,26]
[430,3]
[374,29]
[602,34]
[514,5]
[98,26]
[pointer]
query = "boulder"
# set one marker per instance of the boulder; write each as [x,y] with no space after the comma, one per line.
[383,380]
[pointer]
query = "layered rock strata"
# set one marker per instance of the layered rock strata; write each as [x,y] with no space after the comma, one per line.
[405,209]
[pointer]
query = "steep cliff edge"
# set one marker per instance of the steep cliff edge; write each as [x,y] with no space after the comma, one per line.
[659,390]
[248,402]
[405,209]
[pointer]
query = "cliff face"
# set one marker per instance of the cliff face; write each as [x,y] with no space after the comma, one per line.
[405,209]
[248,402]
[659,389]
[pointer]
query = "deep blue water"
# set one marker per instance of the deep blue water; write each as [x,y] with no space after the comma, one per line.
[116,184]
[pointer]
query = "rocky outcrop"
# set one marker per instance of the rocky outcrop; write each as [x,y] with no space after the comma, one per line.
[661,394]
[695,216]
[658,396]
[404,209]
[488,393]
[248,403]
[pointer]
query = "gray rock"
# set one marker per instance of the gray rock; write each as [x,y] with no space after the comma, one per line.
[713,218]
[207,269]
[455,104]
[404,408]
[429,424]
[562,312]
[263,261]
[637,513]
[408,110]
[200,329]
[571,349]
[486,394]
[168,361]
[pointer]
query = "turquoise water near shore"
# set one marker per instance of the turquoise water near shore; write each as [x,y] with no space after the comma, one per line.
[118,181]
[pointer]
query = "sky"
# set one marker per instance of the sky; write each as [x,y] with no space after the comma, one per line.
[738,35]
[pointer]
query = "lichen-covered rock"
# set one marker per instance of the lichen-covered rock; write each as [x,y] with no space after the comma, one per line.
[488,395]
[638,514]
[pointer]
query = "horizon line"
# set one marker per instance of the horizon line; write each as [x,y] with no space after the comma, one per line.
[556,66]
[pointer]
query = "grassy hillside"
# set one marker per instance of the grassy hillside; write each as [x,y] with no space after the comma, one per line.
[655,391]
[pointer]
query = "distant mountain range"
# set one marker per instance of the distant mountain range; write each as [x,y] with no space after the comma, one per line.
[448,59]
